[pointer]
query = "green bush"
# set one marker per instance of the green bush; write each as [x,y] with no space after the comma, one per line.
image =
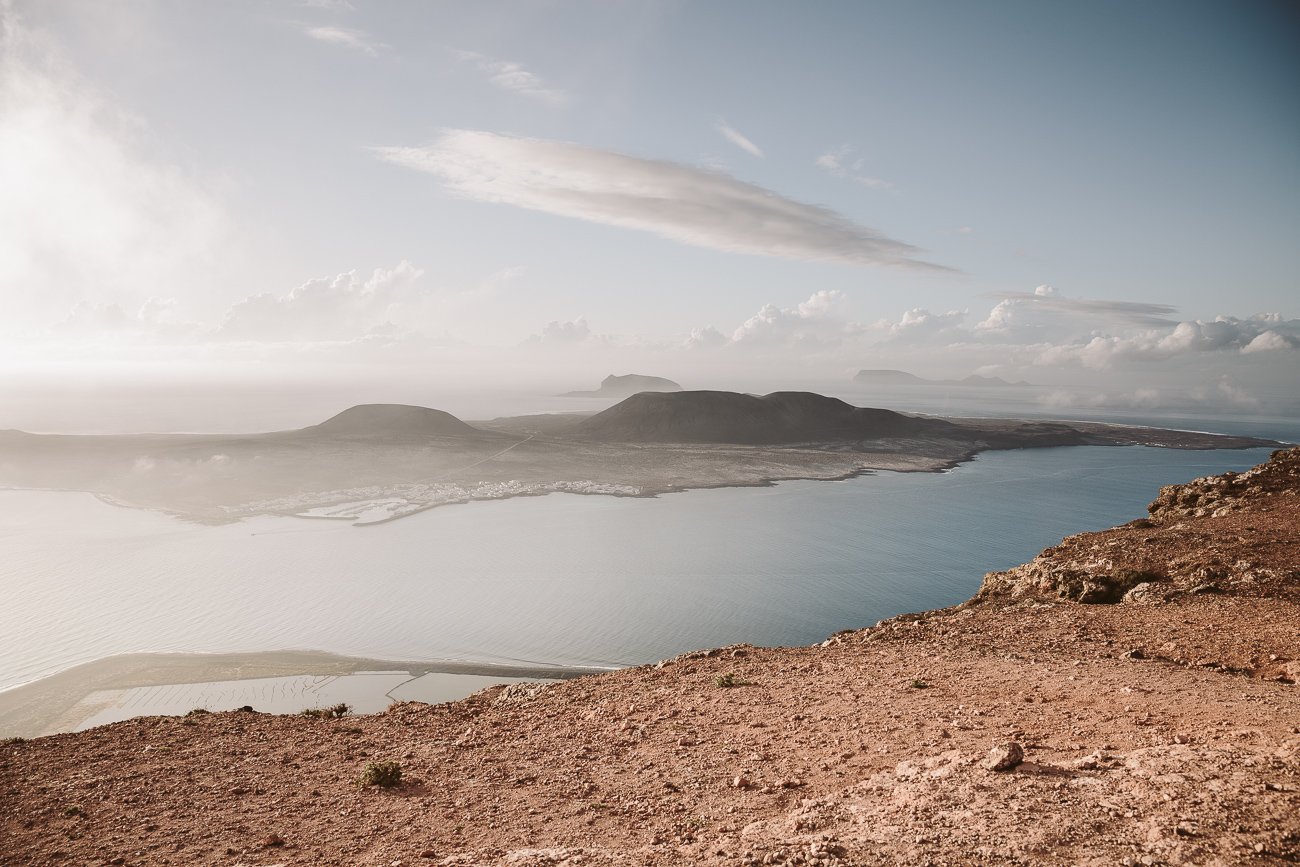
[383,774]
[338,711]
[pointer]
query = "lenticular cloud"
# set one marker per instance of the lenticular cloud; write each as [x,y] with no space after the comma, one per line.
[690,205]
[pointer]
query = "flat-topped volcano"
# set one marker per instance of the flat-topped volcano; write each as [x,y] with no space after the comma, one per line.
[627,385]
[395,420]
[728,417]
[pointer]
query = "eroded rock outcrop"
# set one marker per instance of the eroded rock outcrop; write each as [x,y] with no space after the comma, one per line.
[1201,537]
[1215,496]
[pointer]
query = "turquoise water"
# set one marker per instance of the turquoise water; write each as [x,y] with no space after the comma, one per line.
[562,579]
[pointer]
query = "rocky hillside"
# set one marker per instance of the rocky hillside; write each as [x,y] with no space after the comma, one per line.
[1024,727]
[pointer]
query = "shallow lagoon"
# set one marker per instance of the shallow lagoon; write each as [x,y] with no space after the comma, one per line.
[562,579]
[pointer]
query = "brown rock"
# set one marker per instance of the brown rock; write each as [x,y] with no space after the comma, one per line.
[1004,757]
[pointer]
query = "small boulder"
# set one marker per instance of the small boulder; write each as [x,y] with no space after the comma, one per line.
[1144,592]
[1004,757]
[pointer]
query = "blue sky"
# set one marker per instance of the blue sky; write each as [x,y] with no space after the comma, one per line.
[1049,191]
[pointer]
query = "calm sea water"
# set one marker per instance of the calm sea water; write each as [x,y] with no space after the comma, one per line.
[563,579]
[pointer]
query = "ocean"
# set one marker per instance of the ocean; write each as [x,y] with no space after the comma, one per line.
[561,580]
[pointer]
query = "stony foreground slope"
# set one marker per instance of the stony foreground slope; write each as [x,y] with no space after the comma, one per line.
[1160,729]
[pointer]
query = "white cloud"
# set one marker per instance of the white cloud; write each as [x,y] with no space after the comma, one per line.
[707,337]
[1049,298]
[842,163]
[1263,332]
[512,76]
[1046,329]
[349,37]
[690,205]
[89,207]
[921,324]
[90,318]
[1000,318]
[337,308]
[813,323]
[735,137]
[555,331]
[154,322]
[1269,341]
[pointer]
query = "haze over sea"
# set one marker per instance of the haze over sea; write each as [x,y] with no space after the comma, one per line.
[561,580]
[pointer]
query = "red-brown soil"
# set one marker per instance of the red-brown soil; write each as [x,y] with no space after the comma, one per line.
[1160,729]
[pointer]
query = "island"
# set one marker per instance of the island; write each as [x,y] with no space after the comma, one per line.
[378,462]
[619,387]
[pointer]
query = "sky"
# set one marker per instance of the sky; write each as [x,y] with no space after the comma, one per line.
[225,213]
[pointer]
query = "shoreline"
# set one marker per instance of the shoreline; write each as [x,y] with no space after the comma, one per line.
[32,708]
[919,464]
[378,478]
[895,463]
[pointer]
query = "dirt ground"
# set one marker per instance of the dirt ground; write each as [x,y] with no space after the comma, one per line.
[1160,725]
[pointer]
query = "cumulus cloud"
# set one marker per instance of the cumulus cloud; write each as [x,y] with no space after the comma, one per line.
[556,331]
[690,205]
[707,337]
[842,163]
[1001,318]
[739,140]
[1044,328]
[324,308]
[813,323]
[1270,341]
[347,37]
[512,76]
[1260,333]
[921,324]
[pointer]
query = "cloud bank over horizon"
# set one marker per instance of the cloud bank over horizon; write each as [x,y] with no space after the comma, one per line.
[685,204]
[393,315]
